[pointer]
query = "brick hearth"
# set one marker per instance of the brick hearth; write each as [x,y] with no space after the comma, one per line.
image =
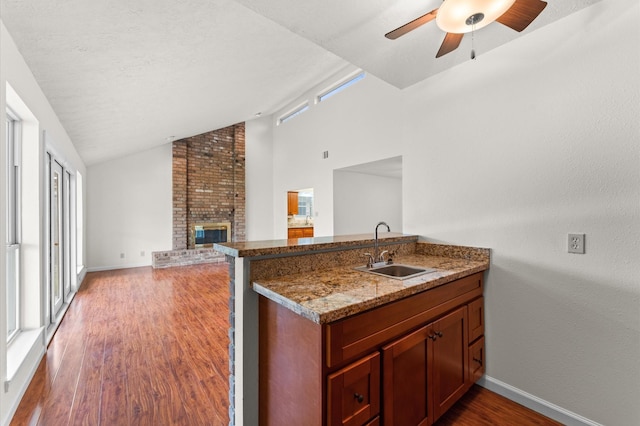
[167,259]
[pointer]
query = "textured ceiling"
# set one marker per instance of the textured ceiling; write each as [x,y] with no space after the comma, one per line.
[355,31]
[124,76]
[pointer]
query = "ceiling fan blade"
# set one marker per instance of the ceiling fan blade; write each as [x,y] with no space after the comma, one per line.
[410,26]
[450,43]
[522,13]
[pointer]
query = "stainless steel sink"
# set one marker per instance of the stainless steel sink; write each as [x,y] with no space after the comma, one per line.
[396,271]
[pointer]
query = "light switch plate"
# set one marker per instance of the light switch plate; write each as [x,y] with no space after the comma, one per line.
[575,243]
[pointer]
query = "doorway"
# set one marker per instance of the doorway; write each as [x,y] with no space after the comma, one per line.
[66,193]
[300,212]
[365,194]
[58,270]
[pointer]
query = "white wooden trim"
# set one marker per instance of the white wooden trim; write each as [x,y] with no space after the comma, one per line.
[539,405]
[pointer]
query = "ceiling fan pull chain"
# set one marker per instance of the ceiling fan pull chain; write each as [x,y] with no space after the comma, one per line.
[473,31]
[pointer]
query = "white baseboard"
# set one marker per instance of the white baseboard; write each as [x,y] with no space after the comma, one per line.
[111,268]
[539,405]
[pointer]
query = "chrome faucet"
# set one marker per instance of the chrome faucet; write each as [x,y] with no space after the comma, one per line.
[378,257]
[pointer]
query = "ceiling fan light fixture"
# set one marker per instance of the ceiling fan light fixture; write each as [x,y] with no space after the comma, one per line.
[454,15]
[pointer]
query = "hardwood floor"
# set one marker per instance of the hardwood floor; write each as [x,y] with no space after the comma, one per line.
[149,347]
[480,407]
[138,347]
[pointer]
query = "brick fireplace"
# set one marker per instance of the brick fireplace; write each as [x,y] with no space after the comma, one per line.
[209,184]
[208,192]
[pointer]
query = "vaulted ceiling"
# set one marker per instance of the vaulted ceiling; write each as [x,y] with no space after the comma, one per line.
[124,76]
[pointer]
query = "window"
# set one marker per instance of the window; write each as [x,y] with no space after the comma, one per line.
[13,224]
[305,205]
[340,86]
[296,111]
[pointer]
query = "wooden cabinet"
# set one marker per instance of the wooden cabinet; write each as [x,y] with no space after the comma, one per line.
[425,372]
[300,232]
[292,203]
[404,363]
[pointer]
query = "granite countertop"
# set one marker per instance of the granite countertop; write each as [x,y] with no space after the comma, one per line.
[329,295]
[300,245]
[300,225]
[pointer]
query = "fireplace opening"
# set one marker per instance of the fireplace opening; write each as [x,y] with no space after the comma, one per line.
[210,236]
[206,234]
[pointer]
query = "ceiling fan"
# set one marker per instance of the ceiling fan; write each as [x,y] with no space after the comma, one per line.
[457,17]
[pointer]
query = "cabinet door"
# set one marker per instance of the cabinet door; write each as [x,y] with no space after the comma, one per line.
[405,380]
[295,233]
[307,232]
[450,360]
[353,393]
[292,203]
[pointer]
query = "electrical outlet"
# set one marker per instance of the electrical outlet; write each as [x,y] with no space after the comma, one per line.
[576,243]
[121,255]
[142,253]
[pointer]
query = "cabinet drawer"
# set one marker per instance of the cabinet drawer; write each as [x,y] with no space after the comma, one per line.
[476,319]
[361,333]
[476,360]
[353,393]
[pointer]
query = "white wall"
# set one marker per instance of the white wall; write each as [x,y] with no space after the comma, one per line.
[259,179]
[40,116]
[361,200]
[129,209]
[513,151]
[349,126]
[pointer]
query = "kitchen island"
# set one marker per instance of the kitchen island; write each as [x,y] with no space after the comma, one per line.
[318,320]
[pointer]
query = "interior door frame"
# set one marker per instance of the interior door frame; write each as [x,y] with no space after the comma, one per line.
[55,304]
[66,196]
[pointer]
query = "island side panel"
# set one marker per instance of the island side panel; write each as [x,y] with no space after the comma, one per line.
[291,373]
[245,353]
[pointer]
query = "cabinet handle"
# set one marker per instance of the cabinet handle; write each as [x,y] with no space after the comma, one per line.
[359,397]
[479,361]
[432,337]
[439,333]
